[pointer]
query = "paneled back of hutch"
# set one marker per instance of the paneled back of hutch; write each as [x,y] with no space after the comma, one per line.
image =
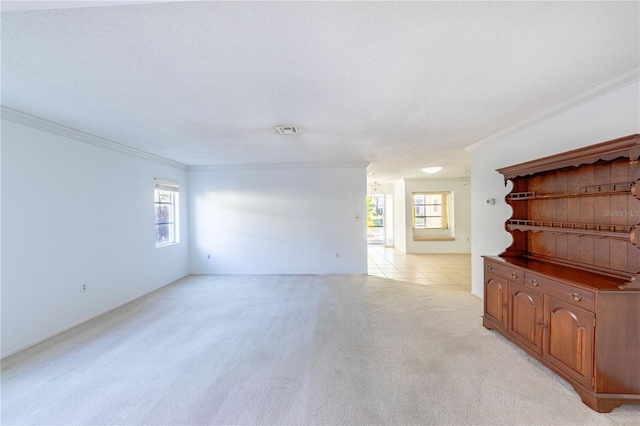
[567,290]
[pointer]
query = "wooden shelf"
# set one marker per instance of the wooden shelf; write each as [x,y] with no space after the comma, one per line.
[582,207]
[621,232]
[589,190]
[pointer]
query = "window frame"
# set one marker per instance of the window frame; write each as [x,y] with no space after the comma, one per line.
[445,231]
[173,189]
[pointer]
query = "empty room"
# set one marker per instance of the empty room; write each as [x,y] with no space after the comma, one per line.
[320,213]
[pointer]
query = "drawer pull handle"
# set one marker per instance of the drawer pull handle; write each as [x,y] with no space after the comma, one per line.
[576,297]
[514,275]
[489,267]
[535,283]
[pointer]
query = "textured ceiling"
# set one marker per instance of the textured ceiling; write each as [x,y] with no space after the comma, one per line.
[403,85]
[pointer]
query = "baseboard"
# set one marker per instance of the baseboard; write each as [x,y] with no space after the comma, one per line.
[76,324]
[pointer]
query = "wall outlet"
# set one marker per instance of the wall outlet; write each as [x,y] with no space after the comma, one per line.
[337,255]
[83,287]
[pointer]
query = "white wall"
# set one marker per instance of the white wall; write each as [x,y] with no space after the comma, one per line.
[383,188]
[278,220]
[461,210]
[608,117]
[75,213]
[399,213]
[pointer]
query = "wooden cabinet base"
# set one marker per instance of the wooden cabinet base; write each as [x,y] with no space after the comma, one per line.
[600,402]
[604,403]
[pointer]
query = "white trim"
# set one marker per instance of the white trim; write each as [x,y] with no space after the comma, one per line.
[18,5]
[620,79]
[19,117]
[363,164]
[438,179]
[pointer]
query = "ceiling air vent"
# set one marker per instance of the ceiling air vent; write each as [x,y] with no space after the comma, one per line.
[287,130]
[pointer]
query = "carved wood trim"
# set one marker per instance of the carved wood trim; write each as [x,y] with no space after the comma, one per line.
[628,146]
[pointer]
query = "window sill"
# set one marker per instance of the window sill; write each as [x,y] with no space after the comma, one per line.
[167,244]
[433,238]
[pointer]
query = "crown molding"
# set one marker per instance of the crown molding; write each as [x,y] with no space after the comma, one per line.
[234,167]
[28,120]
[613,82]
[438,179]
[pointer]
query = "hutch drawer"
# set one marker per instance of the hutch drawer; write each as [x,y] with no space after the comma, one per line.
[564,292]
[504,271]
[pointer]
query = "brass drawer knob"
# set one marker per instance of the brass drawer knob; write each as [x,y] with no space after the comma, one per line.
[514,275]
[576,297]
[535,283]
[489,267]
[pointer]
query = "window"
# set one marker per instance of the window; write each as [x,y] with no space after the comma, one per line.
[430,210]
[431,215]
[375,219]
[166,206]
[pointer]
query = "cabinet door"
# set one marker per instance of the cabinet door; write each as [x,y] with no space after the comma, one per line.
[526,316]
[569,337]
[495,300]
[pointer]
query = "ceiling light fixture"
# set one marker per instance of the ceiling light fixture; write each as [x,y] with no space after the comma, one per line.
[434,169]
[288,130]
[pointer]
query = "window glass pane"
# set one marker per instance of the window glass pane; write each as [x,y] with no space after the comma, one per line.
[434,222]
[164,196]
[375,210]
[420,222]
[164,213]
[432,211]
[378,211]
[418,199]
[164,234]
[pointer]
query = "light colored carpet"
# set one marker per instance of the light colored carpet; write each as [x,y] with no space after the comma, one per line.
[297,350]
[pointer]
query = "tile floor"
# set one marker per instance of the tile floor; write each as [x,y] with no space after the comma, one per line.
[440,270]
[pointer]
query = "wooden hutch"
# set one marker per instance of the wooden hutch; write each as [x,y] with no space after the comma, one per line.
[567,290]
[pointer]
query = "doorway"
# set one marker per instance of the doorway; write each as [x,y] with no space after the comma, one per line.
[380,220]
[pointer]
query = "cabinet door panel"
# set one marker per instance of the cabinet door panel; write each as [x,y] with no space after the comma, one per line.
[569,338]
[525,316]
[495,299]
